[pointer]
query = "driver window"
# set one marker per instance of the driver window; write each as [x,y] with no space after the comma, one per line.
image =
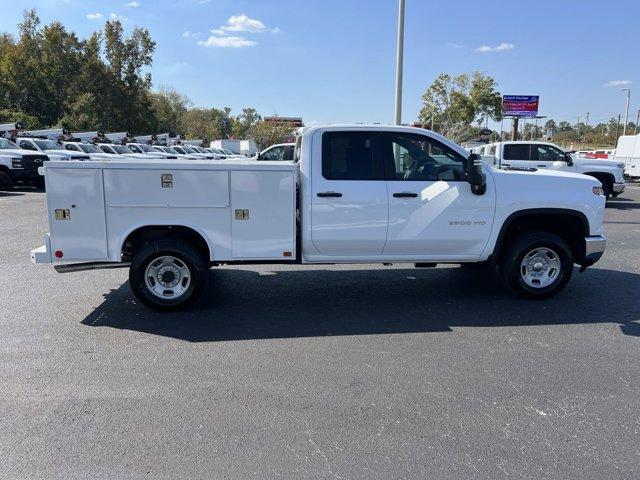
[275,153]
[409,156]
[547,153]
[26,145]
[134,149]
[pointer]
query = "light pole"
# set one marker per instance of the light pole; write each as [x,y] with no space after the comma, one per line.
[399,61]
[626,112]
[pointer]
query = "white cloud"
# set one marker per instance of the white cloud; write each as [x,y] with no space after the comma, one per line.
[190,34]
[202,2]
[227,36]
[454,45]
[115,16]
[227,42]
[94,16]
[498,48]
[133,4]
[617,83]
[242,23]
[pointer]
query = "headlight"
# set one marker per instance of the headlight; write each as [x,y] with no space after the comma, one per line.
[597,191]
[16,163]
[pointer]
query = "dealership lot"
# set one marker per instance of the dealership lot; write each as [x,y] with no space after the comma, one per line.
[319,372]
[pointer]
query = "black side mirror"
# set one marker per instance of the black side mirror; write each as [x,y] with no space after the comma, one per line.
[569,159]
[475,176]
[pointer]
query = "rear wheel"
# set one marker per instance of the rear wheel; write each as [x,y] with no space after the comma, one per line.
[167,274]
[537,265]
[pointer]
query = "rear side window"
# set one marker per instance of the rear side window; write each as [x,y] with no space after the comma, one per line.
[516,152]
[492,150]
[348,156]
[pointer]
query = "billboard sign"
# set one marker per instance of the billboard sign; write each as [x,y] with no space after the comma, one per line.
[520,105]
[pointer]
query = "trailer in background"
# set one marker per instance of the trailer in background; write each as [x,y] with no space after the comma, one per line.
[247,148]
[628,152]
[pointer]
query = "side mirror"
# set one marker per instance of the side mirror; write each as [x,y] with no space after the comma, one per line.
[475,176]
[569,159]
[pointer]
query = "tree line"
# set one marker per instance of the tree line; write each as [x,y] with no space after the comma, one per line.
[459,106]
[51,78]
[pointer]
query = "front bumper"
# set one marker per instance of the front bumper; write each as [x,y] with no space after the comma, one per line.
[593,249]
[618,188]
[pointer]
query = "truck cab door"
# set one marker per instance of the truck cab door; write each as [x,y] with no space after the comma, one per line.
[433,215]
[516,155]
[349,204]
[549,157]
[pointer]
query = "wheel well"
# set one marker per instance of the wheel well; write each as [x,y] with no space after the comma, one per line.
[142,235]
[4,168]
[571,226]
[603,177]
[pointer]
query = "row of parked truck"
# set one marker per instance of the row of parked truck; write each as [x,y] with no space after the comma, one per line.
[21,160]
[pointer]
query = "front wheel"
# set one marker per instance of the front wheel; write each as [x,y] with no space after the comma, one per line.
[167,274]
[537,265]
[5,181]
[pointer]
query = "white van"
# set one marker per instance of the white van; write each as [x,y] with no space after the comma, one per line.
[628,152]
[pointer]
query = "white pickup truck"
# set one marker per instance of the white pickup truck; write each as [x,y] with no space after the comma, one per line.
[534,154]
[18,165]
[357,194]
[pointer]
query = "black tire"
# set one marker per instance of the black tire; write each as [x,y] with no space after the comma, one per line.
[6,182]
[512,272]
[607,189]
[186,254]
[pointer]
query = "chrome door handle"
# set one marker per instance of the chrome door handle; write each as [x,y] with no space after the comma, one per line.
[405,195]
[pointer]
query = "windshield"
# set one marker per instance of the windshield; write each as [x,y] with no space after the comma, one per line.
[47,145]
[6,144]
[228,152]
[121,150]
[86,148]
[146,148]
[189,149]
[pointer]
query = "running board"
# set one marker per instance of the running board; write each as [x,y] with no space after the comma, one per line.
[81,267]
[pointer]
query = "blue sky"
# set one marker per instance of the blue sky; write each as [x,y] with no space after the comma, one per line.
[334,60]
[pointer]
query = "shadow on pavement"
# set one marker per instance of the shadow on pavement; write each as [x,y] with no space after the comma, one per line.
[245,304]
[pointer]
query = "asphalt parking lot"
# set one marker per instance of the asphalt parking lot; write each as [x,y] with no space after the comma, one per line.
[319,372]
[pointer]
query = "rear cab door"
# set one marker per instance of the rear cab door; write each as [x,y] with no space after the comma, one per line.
[349,200]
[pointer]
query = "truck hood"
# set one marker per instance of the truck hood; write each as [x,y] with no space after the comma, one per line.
[542,175]
[18,152]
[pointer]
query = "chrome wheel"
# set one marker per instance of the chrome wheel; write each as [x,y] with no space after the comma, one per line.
[540,267]
[167,277]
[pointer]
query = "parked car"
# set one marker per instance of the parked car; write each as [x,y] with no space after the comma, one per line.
[282,152]
[89,149]
[124,152]
[50,148]
[180,153]
[545,155]
[148,150]
[18,165]
[366,194]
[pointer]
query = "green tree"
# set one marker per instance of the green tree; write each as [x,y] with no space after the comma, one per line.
[269,133]
[244,122]
[453,103]
[169,107]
